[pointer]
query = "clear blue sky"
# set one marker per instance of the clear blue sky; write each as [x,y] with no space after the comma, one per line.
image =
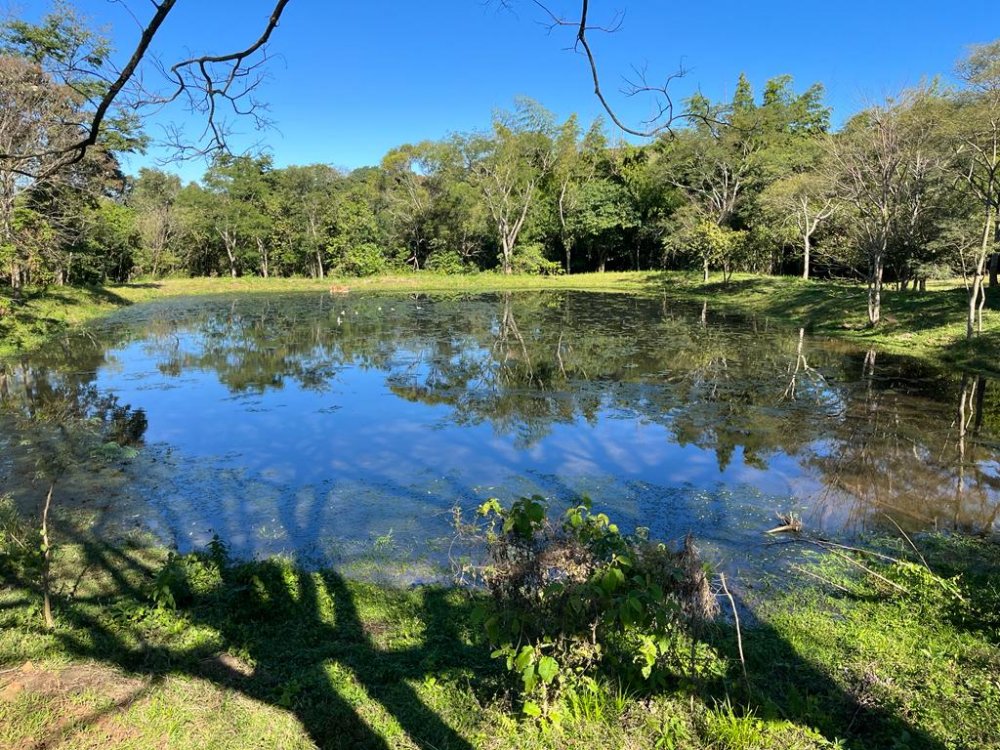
[354,79]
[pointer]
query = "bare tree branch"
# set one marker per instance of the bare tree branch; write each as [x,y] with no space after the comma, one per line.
[74,152]
[207,82]
[666,115]
[204,81]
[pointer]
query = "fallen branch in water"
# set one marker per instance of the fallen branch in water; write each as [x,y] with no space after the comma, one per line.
[909,541]
[789,522]
[50,622]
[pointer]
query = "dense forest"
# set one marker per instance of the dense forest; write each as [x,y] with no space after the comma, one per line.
[907,190]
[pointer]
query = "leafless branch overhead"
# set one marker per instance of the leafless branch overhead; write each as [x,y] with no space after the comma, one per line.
[665,117]
[214,85]
[202,81]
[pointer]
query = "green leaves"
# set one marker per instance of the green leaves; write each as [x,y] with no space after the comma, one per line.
[611,579]
[573,601]
[548,668]
[525,517]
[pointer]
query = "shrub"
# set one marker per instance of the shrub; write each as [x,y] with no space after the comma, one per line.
[445,261]
[578,601]
[530,258]
[362,259]
[185,577]
[20,543]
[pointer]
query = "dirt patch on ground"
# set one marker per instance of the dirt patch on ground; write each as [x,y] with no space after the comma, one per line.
[76,697]
[69,681]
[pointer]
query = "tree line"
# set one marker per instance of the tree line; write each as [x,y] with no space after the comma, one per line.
[907,190]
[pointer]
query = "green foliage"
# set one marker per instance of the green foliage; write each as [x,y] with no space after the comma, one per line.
[531,258]
[709,244]
[364,259]
[576,601]
[728,728]
[20,543]
[447,262]
[183,578]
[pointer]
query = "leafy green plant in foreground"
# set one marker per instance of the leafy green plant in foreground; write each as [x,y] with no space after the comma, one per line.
[575,602]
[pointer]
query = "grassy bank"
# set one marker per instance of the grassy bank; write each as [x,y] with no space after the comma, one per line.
[268,655]
[930,325]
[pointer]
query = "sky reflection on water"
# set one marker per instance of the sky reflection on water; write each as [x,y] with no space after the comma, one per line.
[334,427]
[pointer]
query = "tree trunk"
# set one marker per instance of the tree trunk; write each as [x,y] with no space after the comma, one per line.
[568,245]
[806,249]
[994,264]
[875,290]
[232,258]
[262,250]
[50,622]
[977,290]
[704,275]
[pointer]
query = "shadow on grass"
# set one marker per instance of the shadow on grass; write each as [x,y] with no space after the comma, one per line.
[910,319]
[28,316]
[75,296]
[785,685]
[348,659]
[304,644]
[828,304]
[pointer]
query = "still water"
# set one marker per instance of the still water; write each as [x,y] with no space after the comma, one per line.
[346,429]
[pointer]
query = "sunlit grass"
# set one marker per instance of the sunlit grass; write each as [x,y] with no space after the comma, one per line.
[269,655]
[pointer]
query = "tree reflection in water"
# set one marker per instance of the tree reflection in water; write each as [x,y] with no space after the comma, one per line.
[393,408]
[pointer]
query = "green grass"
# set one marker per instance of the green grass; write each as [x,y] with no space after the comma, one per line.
[930,325]
[269,655]
[916,670]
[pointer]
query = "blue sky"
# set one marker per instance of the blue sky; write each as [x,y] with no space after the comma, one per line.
[353,79]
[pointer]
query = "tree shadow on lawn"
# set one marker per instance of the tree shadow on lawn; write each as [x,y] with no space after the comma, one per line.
[323,648]
[304,645]
[43,311]
[830,305]
[783,684]
[982,352]
[76,295]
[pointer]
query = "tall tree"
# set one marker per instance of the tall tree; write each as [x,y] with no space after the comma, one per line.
[803,200]
[406,203]
[154,198]
[306,197]
[49,80]
[883,167]
[512,164]
[975,136]
[241,185]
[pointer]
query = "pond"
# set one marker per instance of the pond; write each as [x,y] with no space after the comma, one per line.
[345,429]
